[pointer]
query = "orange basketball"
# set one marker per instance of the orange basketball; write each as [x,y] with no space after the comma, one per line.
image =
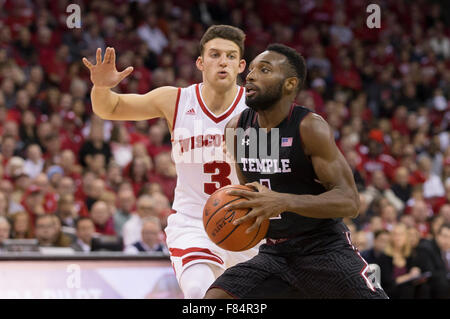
[218,221]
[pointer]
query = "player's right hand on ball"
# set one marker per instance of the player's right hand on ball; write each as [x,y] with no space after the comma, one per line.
[104,73]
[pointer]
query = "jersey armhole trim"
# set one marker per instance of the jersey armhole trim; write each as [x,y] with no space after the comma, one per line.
[300,133]
[175,114]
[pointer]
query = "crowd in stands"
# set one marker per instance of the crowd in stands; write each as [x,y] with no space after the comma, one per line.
[384,91]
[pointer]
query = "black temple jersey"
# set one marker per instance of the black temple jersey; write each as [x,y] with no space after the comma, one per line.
[276,159]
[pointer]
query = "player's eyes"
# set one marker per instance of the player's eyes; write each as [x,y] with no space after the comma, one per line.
[265,70]
[232,56]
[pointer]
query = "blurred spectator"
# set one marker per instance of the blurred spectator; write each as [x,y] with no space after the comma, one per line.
[397,265]
[66,186]
[71,137]
[95,144]
[401,186]
[138,172]
[156,137]
[21,227]
[433,186]
[340,30]
[66,210]
[110,199]
[421,213]
[27,128]
[62,239]
[5,228]
[389,217]
[151,238]
[120,145]
[131,230]
[381,240]
[101,216]
[152,35]
[70,166]
[54,175]
[165,174]
[434,256]
[85,230]
[445,213]
[6,187]
[4,209]
[34,164]
[48,232]
[114,177]
[33,203]
[380,187]
[93,191]
[125,205]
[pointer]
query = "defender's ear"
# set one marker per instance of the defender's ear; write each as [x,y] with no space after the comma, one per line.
[199,63]
[242,65]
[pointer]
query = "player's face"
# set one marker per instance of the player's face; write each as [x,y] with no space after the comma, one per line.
[220,63]
[265,81]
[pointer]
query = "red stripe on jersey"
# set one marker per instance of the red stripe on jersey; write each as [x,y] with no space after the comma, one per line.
[197,257]
[212,116]
[177,252]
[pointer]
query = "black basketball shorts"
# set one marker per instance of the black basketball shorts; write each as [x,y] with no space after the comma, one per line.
[324,264]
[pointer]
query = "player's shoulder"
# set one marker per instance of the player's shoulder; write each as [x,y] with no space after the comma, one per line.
[314,129]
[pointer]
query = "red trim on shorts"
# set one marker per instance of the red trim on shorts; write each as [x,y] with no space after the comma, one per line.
[177,252]
[364,269]
[212,116]
[176,109]
[188,259]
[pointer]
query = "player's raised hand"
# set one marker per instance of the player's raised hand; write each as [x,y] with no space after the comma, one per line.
[104,73]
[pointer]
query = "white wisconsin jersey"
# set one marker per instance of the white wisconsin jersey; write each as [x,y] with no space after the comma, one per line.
[197,149]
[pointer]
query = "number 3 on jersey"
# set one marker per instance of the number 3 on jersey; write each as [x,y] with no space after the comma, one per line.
[220,171]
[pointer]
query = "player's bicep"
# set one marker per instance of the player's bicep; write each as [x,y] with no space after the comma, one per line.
[329,164]
[333,172]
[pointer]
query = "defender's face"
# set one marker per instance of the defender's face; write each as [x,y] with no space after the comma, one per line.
[265,80]
[220,62]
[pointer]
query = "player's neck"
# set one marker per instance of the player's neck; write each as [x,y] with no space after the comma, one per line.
[274,115]
[217,101]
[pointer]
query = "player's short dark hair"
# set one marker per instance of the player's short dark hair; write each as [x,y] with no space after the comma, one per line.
[226,32]
[297,65]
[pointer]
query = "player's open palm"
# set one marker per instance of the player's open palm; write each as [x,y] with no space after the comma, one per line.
[104,73]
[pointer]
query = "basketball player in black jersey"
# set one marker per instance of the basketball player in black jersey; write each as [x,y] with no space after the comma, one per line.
[305,193]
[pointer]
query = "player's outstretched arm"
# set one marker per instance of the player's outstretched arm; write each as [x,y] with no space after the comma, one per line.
[341,198]
[126,107]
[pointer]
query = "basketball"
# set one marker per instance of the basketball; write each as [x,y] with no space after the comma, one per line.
[218,221]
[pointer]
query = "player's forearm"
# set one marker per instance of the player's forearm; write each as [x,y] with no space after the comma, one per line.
[332,204]
[104,102]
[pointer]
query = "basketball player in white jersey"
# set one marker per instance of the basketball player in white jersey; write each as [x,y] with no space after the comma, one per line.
[196,116]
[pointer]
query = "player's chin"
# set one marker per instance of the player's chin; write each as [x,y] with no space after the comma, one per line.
[224,82]
[251,100]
